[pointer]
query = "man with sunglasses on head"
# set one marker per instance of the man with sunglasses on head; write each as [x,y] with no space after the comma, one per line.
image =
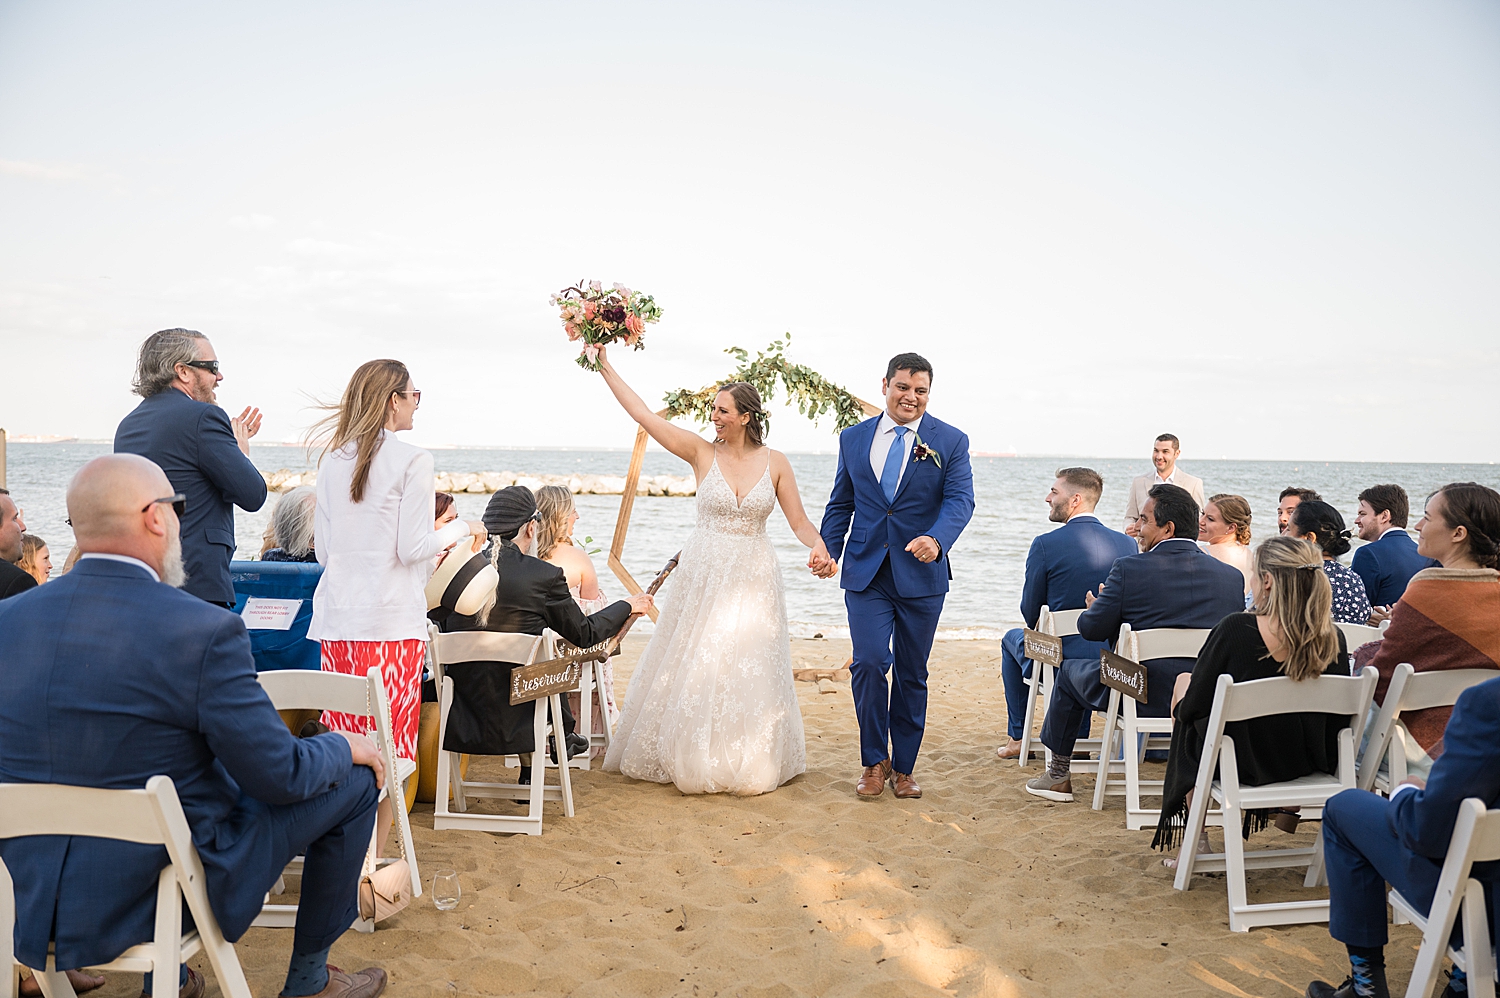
[206,454]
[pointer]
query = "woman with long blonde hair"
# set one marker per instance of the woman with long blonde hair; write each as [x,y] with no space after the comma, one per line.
[376,542]
[1289,632]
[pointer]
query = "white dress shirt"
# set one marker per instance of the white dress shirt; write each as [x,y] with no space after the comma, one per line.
[885,435]
[123,558]
[376,554]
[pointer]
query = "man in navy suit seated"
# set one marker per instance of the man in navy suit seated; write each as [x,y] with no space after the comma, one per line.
[1062,566]
[112,676]
[1172,584]
[205,454]
[1369,841]
[1390,559]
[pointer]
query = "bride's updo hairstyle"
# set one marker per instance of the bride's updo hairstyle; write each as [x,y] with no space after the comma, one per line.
[747,401]
[1300,601]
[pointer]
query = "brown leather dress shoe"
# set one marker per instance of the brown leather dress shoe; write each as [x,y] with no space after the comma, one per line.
[365,983]
[904,786]
[872,781]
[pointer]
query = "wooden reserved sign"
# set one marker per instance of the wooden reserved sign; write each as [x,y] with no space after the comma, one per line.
[556,675]
[1120,673]
[1043,648]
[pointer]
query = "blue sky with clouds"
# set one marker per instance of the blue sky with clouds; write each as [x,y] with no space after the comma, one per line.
[1270,228]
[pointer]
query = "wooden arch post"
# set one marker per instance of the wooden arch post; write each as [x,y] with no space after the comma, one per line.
[627,502]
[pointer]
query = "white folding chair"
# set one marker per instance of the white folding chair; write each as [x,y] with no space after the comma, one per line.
[152,816]
[362,696]
[590,689]
[1361,634]
[518,649]
[1340,695]
[1124,726]
[1061,624]
[1408,690]
[1476,839]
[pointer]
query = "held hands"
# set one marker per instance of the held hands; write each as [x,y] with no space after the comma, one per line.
[1379,615]
[925,549]
[362,752]
[245,426]
[640,603]
[821,564]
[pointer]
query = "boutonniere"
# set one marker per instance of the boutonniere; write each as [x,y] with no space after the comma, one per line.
[921,452]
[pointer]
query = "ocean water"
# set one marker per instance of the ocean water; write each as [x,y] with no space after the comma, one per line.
[988,562]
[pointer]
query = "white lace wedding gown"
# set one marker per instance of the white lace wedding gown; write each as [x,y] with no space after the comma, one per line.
[711,706]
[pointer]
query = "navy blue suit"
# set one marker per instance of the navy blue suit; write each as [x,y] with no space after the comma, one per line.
[111,678]
[1369,841]
[894,601]
[1175,584]
[194,444]
[1061,566]
[1387,565]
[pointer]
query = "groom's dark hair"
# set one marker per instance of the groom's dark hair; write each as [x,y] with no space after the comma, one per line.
[913,362]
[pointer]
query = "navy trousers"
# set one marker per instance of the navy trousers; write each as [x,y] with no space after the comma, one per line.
[891,634]
[1362,855]
[1079,691]
[332,831]
[1015,669]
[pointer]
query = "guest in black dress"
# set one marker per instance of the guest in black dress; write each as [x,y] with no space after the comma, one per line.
[1289,633]
[531,596]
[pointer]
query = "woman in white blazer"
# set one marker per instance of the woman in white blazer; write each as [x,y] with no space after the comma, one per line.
[376,542]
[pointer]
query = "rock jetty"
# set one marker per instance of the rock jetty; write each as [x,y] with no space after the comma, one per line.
[493,481]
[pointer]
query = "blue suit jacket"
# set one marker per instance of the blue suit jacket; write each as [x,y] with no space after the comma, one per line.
[1469,767]
[111,678]
[1065,563]
[194,444]
[1387,565]
[1175,584]
[930,500]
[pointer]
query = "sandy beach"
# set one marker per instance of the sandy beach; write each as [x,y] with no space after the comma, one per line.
[975,890]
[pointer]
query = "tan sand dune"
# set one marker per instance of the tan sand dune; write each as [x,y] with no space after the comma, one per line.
[976,889]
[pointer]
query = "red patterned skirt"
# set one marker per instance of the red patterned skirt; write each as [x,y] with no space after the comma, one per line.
[400,665]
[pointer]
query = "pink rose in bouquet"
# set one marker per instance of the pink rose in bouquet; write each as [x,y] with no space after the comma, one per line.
[598,317]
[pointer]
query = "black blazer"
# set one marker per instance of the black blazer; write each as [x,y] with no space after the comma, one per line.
[532,595]
[13,580]
[194,444]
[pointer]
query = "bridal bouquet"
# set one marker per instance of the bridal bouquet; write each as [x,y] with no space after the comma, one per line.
[599,317]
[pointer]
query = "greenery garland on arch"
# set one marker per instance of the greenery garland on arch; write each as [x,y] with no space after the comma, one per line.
[814,394]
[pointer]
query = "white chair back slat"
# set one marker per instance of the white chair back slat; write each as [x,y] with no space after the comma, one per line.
[55,809]
[1441,689]
[486,646]
[1163,642]
[1062,623]
[1359,634]
[1280,695]
[306,689]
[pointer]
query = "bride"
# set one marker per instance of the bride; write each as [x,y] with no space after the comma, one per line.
[711,706]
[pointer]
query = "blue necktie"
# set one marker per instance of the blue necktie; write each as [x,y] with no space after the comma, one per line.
[890,475]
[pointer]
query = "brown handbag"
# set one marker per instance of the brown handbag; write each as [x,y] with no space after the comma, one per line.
[385,892]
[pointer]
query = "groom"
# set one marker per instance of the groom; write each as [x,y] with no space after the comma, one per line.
[903,493]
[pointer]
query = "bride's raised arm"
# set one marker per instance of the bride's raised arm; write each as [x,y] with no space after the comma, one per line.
[684,443]
[785,482]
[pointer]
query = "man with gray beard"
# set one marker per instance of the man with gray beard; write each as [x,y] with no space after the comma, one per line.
[111,678]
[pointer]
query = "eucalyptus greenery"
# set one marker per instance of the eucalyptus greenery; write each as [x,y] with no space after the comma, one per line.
[814,394]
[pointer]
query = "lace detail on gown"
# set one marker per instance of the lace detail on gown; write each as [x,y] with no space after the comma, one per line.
[712,706]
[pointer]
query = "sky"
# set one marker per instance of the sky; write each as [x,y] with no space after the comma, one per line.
[1270,228]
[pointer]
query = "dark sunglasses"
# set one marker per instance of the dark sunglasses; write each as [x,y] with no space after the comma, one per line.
[179,506]
[211,366]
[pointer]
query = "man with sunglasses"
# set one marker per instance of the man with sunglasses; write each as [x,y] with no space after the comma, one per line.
[205,454]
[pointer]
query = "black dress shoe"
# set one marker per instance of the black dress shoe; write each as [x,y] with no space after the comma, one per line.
[1322,989]
[577,744]
[525,780]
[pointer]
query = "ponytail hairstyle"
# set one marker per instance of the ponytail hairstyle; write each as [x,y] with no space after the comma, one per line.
[1300,601]
[1235,511]
[360,416]
[553,503]
[747,402]
[1476,508]
[1314,516]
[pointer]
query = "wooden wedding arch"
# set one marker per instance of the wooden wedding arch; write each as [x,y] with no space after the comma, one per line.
[814,394]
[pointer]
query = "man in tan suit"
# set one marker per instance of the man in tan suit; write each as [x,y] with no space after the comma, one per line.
[1164,456]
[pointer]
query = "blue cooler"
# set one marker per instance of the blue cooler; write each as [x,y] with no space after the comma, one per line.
[282,580]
